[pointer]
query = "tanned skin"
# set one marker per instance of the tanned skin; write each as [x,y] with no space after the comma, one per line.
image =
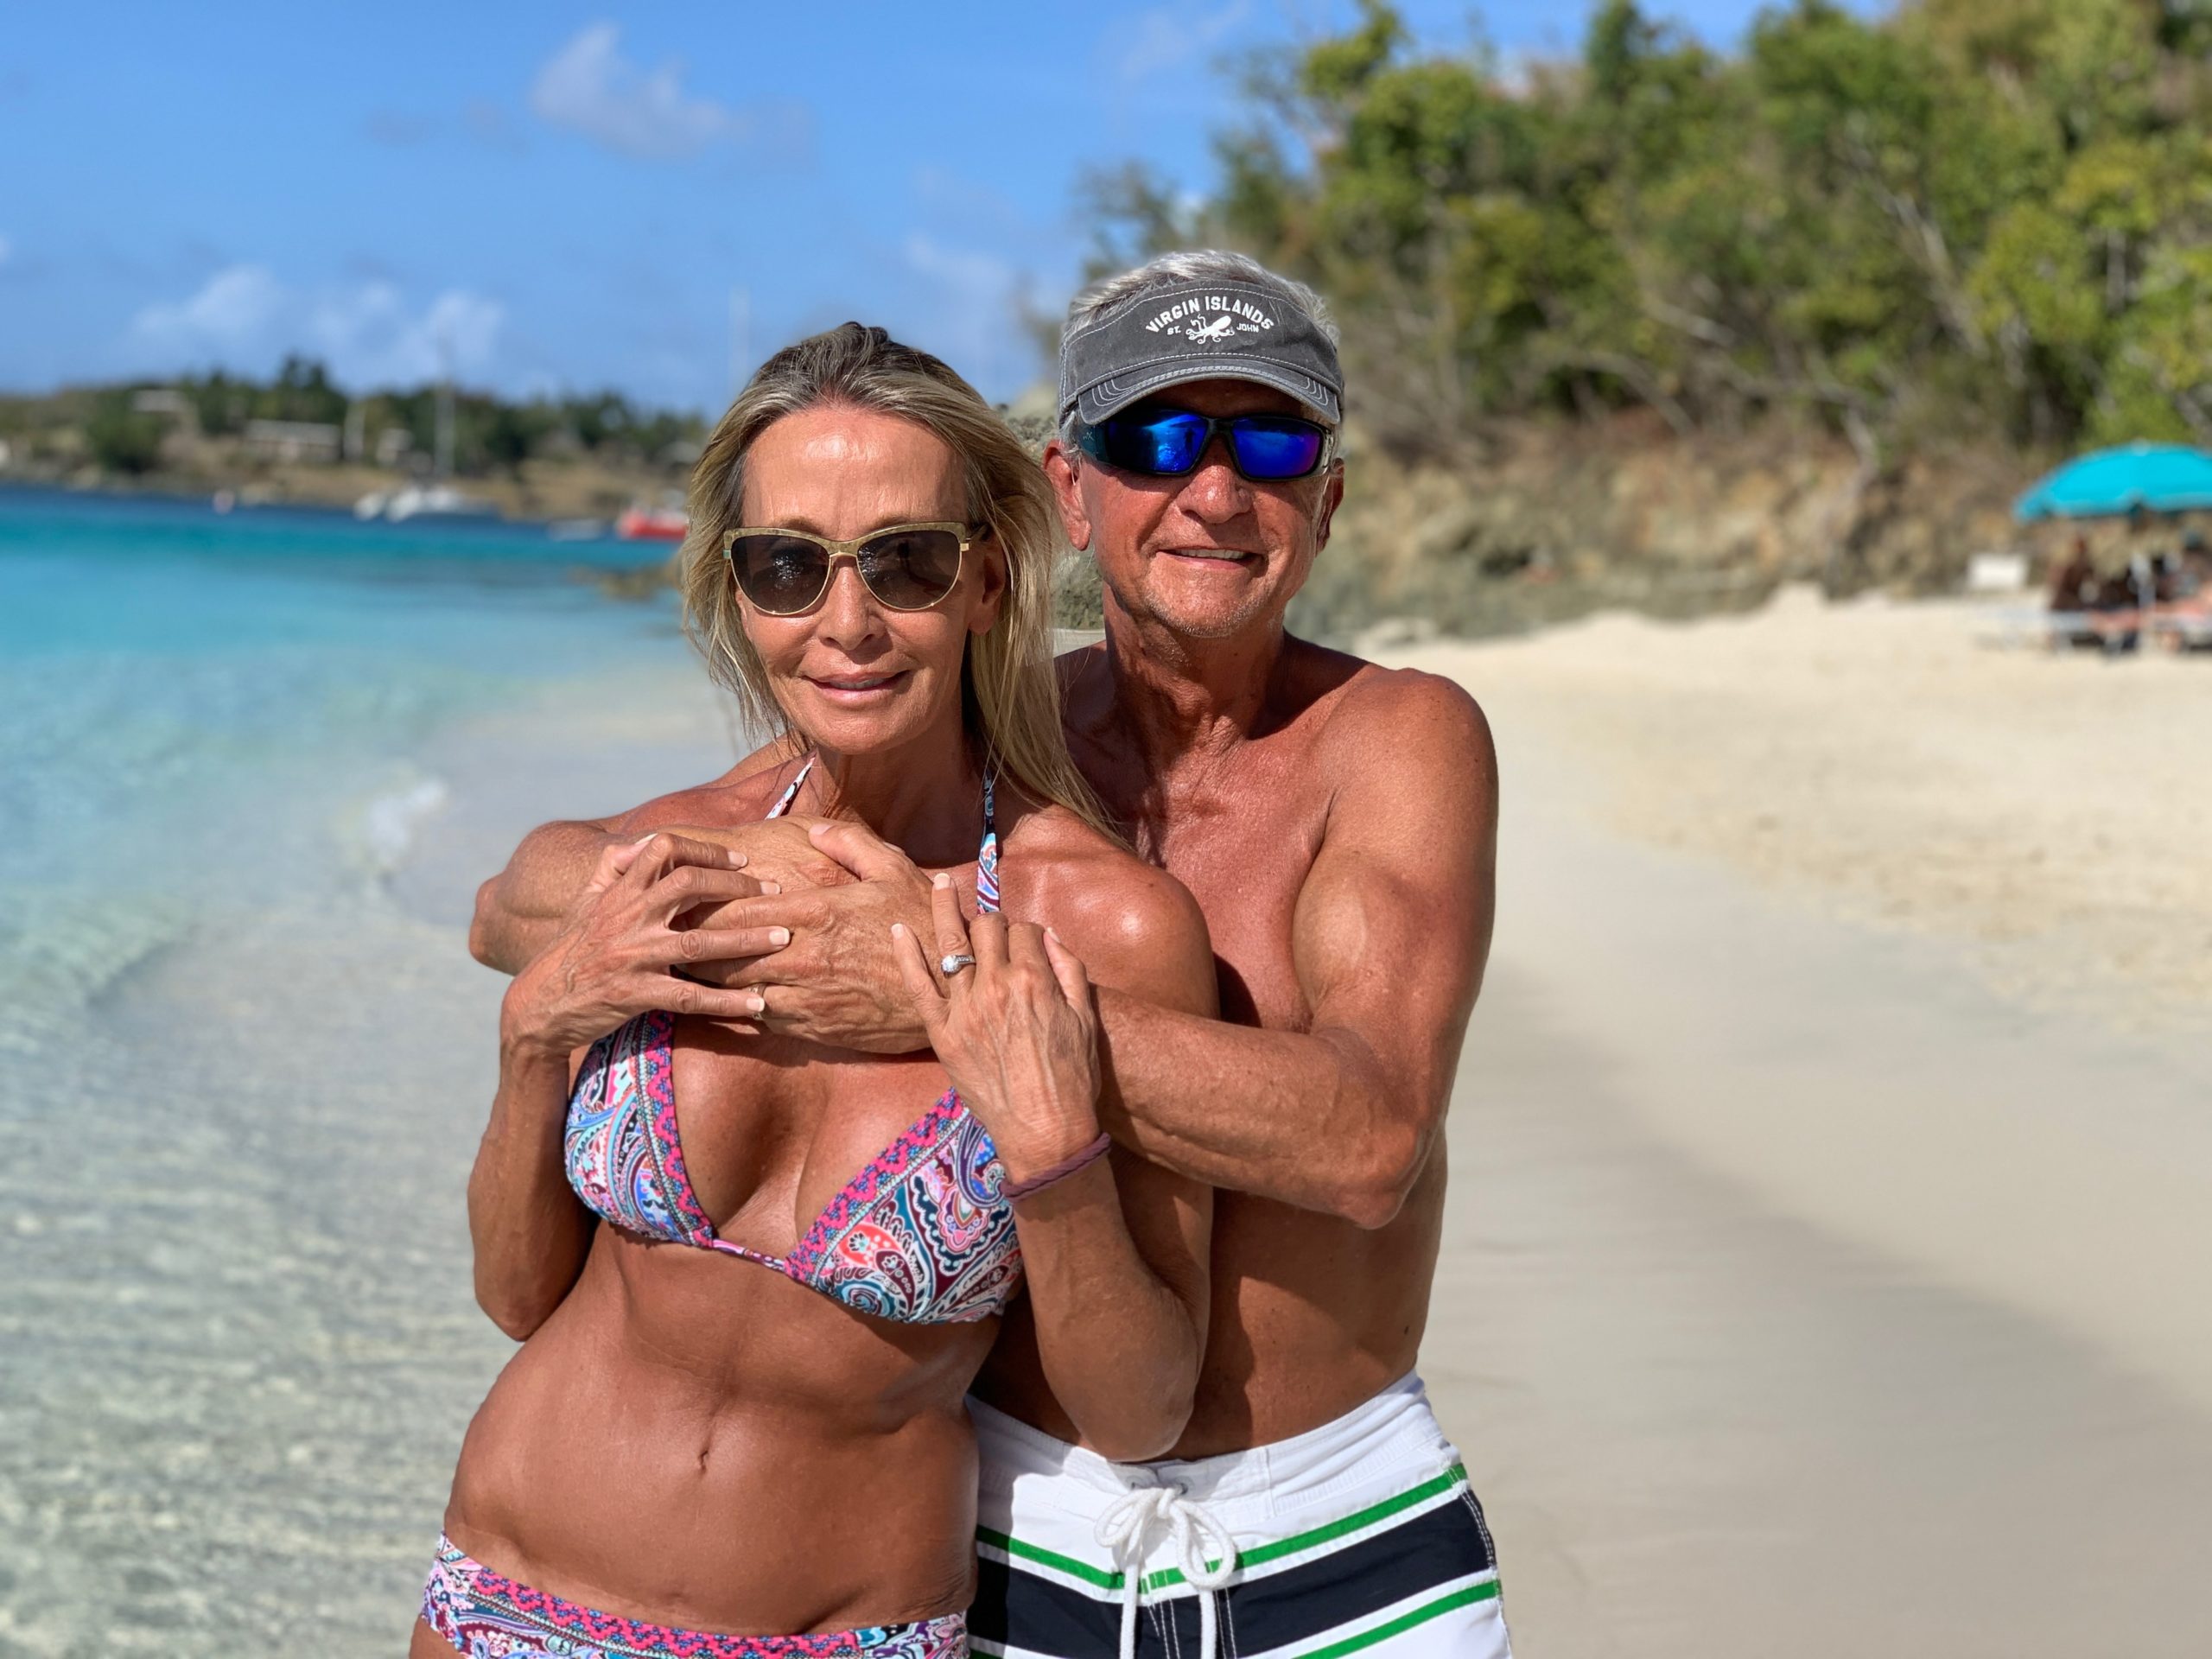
[641,1453]
[1336,823]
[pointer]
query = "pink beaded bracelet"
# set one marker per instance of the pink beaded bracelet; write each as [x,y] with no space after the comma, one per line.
[1059,1171]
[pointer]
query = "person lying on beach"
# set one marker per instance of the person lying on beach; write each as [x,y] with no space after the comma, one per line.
[1337,824]
[755,1277]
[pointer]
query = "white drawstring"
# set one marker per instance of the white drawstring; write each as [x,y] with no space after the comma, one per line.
[1126,1531]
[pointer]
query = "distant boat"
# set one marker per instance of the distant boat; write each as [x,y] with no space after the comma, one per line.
[423,501]
[642,523]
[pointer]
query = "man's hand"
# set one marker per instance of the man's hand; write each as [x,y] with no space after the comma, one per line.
[777,852]
[624,943]
[521,910]
[838,981]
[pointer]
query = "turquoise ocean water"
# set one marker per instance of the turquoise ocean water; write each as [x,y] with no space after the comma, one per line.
[187,697]
[240,1081]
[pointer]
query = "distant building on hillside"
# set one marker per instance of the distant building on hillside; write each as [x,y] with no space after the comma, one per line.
[165,400]
[316,440]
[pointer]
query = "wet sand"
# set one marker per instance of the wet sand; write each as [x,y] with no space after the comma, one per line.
[1762,1333]
[1827,1264]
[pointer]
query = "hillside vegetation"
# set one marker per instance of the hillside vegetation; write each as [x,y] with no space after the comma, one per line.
[1889,267]
[298,436]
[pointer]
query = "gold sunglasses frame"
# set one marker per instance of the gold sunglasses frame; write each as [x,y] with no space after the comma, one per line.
[970,535]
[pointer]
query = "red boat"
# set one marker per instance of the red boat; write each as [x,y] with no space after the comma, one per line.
[653,525]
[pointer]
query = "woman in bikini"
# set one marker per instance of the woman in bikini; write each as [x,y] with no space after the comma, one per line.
[753,1276]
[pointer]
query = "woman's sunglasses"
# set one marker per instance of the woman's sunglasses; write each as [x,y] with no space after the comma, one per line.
[907,567]
[1169,443]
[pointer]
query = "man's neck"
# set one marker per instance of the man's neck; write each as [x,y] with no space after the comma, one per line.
[1178,699]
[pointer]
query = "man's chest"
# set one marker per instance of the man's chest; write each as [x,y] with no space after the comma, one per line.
[1247,867]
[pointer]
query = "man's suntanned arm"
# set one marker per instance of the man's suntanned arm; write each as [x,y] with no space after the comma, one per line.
[520,909]
[1391,936]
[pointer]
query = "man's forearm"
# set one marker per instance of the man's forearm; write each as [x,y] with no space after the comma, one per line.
[1306,1119]
[519,910]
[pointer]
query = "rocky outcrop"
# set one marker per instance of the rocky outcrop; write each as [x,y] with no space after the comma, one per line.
[1545,522]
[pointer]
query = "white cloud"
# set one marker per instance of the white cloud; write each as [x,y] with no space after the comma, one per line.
[975,274]
[1169,37]
[370,337]
[232,307]
[589,87]
[366,331]
[977,322]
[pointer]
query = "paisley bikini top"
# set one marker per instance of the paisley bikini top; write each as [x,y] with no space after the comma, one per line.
[923,1234]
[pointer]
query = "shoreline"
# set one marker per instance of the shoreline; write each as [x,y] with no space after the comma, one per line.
[249,1346]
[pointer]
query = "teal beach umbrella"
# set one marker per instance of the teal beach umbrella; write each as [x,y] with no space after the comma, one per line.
[2137,477]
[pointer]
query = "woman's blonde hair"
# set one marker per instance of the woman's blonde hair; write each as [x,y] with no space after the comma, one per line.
[1009,695]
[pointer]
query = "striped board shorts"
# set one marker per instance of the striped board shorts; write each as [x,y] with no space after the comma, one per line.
[1359,1537]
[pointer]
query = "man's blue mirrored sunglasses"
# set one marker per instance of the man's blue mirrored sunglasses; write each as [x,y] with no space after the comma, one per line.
[1169,443]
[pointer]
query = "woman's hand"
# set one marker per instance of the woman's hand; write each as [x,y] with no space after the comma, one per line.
[628,929]
[1018,1032]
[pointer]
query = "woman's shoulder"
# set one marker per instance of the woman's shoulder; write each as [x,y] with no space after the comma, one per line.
[1135,925]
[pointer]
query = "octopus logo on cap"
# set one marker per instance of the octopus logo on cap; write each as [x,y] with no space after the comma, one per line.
[1211,317]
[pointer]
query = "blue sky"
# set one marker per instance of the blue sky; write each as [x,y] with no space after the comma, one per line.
[568,195]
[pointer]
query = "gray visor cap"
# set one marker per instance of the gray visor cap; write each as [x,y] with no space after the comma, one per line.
[1197,331]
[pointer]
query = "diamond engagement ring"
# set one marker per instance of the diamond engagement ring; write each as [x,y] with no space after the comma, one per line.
[951,962]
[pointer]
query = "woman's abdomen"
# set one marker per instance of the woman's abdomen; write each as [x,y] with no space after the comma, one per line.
[694,1439]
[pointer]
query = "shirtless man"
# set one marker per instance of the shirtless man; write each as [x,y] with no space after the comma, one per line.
[1336,823]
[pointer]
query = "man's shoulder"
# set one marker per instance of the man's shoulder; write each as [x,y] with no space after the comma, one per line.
[1376,719]
[741,795]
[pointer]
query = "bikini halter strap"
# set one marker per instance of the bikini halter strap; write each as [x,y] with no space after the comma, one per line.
[790,793]
[986,859]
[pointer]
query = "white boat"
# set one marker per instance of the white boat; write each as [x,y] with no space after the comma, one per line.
[423,501]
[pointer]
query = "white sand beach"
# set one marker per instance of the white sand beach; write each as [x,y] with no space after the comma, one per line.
[1827,1262]
[1828,1265]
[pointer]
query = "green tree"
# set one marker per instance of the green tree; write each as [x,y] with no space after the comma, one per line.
[1972,216]
[600,419]
[122,439]
[511,433]
[303,391]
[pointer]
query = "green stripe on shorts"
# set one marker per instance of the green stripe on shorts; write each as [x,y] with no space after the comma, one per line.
[1259,1554]
[1465,1597]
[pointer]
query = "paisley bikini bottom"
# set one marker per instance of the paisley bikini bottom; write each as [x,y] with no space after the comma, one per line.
[487,1615]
